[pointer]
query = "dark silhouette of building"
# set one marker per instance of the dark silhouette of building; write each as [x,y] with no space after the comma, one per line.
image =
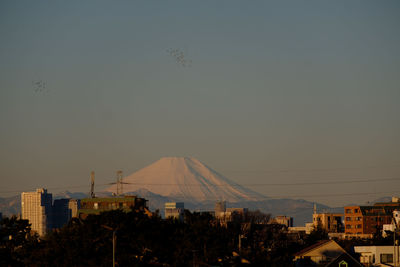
[97,205]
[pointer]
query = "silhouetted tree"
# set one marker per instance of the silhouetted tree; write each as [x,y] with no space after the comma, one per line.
[317,234]
[15,239]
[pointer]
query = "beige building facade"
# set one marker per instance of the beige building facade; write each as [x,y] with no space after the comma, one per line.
[330,222]
[175,210]
[36,208]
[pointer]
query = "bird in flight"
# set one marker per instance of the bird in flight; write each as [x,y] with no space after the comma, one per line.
[179,57]
[39,86]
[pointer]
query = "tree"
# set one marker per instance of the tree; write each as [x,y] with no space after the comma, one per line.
[317,234]
[15,238]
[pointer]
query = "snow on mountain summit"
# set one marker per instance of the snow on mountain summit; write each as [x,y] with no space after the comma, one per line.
[186,178]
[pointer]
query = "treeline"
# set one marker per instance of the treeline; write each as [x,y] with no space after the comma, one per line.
[142,241]
[153,241]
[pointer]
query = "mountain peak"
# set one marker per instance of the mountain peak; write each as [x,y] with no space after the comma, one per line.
[188,179]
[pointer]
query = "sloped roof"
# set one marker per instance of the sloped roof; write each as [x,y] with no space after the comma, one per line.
[344,257]
[377,210]
[312,247]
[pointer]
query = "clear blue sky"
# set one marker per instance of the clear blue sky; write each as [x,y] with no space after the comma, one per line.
[277,92]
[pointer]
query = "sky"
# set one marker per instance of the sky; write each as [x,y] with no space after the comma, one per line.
[293,99]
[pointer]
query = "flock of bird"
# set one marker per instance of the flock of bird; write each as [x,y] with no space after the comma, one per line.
[179,57]
[39,86]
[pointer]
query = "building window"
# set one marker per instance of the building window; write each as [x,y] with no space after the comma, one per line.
[386,258]
[348,226]
[348,219]
[356,211]
[358,226]
[348,211]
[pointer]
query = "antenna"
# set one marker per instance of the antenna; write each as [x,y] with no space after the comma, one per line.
[119,183]
[92,195]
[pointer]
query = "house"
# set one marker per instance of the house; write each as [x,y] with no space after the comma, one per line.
[344,260]
[307,229]
[377,255]
[324,253]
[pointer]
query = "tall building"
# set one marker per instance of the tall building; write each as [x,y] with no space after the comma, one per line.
[174,210]
[36,207]
[63,210]
[60,214]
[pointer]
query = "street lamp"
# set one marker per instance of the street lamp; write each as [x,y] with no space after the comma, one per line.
[114,239]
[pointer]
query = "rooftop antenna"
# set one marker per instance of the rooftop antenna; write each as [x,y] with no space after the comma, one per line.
[119,183]
[92,195]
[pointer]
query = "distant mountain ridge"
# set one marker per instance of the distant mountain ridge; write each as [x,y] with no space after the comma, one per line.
[185,179]
[12,205]
[300,210]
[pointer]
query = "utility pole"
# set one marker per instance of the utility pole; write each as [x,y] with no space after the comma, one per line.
[394,244]
[240,243]
[92,195]
[395,250]
[119,183]
[114,240]
[194,258]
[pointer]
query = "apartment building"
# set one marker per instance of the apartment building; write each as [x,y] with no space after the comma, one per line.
[284,220]
[330,222]
[36,208]
[361,220]
[175,210]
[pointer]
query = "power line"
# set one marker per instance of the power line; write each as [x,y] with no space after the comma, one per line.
[336,195]
[307,195]
[272,184]
[285,170]
[223,185]
[52,188]
[259,197]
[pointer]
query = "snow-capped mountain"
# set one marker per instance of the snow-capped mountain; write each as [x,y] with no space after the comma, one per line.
[186,179]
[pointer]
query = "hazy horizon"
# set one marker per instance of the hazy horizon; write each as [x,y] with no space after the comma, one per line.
[293,99]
